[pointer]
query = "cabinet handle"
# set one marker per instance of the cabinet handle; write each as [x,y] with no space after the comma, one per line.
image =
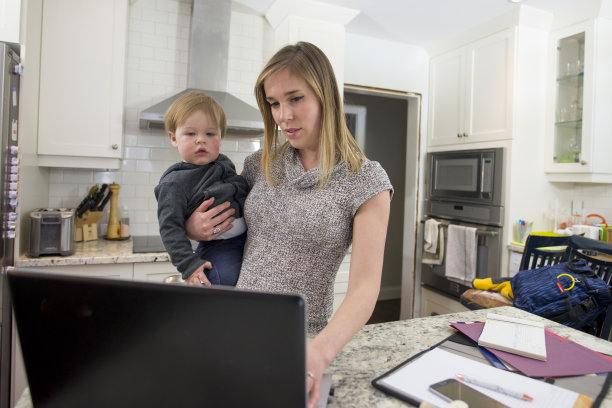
[582,162]
[458,134]
[465,135]
[115,146]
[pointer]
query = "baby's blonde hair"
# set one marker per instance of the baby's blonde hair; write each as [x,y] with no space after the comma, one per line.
[192,101]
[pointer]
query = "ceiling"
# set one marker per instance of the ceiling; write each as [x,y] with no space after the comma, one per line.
[421,22]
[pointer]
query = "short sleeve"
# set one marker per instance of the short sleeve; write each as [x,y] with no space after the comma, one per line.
[370,180]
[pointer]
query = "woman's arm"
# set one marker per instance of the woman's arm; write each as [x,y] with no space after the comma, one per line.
[369,235]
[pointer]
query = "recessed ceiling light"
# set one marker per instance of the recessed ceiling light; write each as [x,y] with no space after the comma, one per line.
[514,1]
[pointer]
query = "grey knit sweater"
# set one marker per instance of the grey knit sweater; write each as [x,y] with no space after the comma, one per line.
[299,233]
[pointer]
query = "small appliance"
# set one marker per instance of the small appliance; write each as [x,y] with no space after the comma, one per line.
[51,232]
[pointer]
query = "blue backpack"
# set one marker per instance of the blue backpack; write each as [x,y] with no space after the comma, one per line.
[569,293]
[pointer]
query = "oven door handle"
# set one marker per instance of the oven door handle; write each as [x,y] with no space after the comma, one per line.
[479,231]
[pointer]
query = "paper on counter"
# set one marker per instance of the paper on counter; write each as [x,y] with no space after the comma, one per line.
[414,379]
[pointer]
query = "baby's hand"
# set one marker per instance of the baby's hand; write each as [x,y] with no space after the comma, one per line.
[198,277]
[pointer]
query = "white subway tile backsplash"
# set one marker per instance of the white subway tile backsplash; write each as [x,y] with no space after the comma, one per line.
[135,178]
[136,50]
[157,16]
[56,175]
[108,177]
[78,176]
[249,146]
[169,154]
[144,165]
[141,26]
[137,153]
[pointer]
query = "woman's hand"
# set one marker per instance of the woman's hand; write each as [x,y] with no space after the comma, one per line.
[198,277]
[204,224]
[316,364]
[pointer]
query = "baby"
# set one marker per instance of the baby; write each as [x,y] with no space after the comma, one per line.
[196,124]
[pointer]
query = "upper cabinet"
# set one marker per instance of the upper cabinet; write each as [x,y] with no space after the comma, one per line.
[580,96]
[82,70]
[471,92]
[10,17]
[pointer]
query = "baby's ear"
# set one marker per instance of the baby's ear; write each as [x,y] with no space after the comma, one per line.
[172,138]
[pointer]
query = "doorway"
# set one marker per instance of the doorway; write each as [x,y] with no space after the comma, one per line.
[386,126]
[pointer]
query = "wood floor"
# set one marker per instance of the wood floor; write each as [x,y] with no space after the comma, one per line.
[385,311]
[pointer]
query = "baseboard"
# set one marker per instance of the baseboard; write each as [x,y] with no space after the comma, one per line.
[390,292]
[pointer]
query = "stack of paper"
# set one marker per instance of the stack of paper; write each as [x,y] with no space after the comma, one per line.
[518,336]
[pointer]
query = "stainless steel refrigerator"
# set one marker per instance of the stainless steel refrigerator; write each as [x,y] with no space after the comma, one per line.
[9,178]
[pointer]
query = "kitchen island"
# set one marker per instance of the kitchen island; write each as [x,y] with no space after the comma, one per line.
[379,347]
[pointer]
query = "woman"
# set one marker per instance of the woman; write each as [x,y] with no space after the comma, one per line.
[310,198]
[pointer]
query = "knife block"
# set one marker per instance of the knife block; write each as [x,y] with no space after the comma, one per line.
[86,227]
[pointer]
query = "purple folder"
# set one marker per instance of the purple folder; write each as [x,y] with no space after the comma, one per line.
[564,357]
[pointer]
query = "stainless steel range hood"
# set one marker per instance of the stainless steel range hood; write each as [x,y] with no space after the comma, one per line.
[208,68]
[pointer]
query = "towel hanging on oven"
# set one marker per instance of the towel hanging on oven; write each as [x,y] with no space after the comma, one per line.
[433,243]
[461,253]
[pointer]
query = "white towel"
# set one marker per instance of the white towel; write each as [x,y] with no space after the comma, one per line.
[461,253]
[436,256]
[430,236]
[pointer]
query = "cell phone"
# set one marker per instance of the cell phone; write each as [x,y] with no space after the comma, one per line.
[452,389]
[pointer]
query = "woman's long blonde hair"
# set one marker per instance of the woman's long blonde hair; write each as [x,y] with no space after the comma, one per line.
[336,144]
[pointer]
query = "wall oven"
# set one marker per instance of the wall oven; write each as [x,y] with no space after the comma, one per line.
[464,188]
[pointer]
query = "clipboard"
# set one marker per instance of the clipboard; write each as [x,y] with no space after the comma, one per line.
[596,387]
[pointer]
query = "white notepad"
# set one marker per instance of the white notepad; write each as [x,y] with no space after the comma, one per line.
[518,336]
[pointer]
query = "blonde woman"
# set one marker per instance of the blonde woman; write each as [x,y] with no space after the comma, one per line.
[311,196]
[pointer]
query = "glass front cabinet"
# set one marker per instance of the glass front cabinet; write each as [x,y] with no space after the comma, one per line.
[579,134]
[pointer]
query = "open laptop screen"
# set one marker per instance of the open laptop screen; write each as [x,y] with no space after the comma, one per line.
[108,343]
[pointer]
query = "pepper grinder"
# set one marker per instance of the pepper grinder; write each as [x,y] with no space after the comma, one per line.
[113,231]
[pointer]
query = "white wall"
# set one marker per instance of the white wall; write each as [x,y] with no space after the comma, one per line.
[385,64]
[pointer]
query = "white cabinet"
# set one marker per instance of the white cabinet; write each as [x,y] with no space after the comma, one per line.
[10,17]
[154,271]
[114,271]
[580,96]
[82,70]
[433,303]
[471,92]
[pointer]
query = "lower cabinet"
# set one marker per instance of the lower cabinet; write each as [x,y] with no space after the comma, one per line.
[114,271]
[434,303]
[156,272]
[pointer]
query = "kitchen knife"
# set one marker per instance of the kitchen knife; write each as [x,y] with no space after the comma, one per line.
[108,196]
[86,203]
[97,198]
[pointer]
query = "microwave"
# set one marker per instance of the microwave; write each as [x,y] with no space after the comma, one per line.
[469,176]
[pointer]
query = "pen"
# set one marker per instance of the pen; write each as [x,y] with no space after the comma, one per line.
[495,387]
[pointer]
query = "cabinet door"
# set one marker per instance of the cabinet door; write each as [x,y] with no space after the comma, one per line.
[82,80]
[433,303]
[579,120]
[155,271]
[490,68]
[10,17]
[113,271]
[447,98]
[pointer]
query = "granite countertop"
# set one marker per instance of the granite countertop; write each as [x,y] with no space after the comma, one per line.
[379,347]
[100,251]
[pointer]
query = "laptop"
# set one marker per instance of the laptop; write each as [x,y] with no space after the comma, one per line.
[107,343]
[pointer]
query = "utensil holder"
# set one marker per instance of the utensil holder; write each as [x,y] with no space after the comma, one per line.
[86,227]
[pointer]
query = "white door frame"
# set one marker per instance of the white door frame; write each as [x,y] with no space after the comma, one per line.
[412,201]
